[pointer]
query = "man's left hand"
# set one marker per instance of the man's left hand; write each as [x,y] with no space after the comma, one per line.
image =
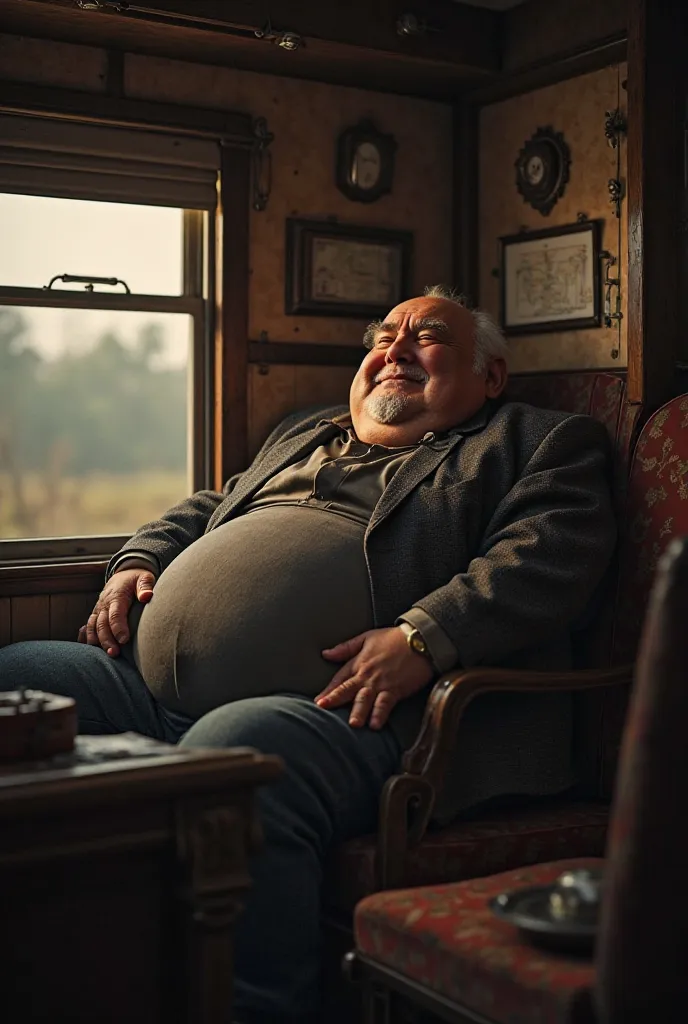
[380,670]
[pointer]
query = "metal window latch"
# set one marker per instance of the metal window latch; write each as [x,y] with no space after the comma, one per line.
[87,280]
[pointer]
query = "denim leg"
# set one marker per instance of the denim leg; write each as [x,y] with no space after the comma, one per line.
[110,694]
[328,793]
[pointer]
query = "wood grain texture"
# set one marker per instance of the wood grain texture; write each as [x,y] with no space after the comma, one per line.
[466,124]
[656,35]
[72,578]
[271,397]
[289,353]
[346,44]
[68,613]
[31,618]
[5,623]
[231,341]
[541,31]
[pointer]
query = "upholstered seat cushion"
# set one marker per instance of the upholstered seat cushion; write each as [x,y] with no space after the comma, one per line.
[447,939]
[497,841]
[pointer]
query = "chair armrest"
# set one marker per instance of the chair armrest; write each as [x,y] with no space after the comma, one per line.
[407,800]
[451,695]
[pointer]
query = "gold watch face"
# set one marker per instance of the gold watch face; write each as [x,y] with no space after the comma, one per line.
[417,643]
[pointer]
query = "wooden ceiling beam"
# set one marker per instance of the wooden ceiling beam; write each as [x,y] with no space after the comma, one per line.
[353,42]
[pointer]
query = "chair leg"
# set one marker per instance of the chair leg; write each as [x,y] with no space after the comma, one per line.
[376,1004]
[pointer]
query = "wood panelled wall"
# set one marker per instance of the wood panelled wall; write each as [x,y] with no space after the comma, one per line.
[47,602]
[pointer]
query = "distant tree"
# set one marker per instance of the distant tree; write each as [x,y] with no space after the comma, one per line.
[111,408]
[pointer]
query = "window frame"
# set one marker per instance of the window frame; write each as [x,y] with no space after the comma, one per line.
[226,357]
[195,301]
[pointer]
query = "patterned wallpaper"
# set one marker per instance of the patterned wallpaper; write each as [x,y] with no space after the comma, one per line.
[577,108]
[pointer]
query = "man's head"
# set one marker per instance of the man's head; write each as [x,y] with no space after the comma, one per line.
[431,365]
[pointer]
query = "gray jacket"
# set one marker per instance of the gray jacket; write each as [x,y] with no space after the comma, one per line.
[500,531]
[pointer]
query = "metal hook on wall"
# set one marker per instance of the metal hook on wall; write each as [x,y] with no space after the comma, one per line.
[609,317]
[261,161]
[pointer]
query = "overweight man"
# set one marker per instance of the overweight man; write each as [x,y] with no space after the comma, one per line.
[306,609]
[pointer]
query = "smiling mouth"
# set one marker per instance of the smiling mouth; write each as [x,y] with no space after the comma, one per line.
[401,380]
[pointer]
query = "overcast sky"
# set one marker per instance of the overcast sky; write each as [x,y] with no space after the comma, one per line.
[41,237]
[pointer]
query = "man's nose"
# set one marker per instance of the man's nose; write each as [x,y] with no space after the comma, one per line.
[402,348]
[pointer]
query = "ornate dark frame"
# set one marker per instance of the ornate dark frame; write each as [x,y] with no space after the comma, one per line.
[300,236]
[595,227]
[348,141]
[553,149]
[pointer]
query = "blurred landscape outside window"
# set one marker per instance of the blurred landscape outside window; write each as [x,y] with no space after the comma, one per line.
[93,401]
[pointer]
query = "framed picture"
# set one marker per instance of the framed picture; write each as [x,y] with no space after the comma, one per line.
[341,270]
[551,279]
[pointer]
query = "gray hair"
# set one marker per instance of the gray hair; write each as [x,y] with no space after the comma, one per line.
[490,343]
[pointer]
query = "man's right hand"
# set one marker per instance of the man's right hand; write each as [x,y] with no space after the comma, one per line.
[107,625]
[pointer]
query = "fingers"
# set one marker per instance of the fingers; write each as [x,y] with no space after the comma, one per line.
[144,586]
[363,702]
[91,634]
[81,638]
[347,671]
[385,701]
[117,619]
[105,637]
[346,650]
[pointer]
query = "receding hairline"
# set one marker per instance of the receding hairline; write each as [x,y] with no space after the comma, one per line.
[420,321]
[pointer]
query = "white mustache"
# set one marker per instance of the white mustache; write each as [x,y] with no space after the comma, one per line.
[408,373]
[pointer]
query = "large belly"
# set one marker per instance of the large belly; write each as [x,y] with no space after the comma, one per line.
[247,609]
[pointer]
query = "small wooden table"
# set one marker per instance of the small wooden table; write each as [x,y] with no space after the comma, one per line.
[122,869]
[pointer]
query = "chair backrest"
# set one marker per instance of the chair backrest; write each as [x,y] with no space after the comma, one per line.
[655,511]
[599,714]
[601,395]
[643,944]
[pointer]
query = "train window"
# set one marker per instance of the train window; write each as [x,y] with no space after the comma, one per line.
[102,369]
[142,244]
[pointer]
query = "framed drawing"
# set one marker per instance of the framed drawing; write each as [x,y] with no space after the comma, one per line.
[341,270]
[551,279]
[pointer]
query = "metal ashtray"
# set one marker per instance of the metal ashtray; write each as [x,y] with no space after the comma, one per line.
[562,916]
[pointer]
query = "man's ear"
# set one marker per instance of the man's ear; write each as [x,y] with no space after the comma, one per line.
[495,378]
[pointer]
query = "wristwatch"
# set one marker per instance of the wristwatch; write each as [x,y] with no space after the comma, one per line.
[414,639]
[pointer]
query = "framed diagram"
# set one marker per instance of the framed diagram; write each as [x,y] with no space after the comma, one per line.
[550,279]
[342,270]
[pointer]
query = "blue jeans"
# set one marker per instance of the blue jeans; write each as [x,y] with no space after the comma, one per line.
[328,793]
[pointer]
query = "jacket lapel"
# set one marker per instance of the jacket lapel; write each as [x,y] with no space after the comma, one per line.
[278,458]
[422,463]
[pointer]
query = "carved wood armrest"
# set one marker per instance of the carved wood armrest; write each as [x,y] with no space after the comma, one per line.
[408,799]
[451,695]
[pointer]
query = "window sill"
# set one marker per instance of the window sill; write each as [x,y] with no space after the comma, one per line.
[50,578]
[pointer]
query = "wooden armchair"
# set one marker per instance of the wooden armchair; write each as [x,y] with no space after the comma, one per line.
[442,949]
[405,851]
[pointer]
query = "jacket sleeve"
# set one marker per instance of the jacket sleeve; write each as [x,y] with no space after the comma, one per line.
[163,539]
[542,554]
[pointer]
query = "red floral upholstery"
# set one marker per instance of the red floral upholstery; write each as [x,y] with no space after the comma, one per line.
[448,940]
[657,511]
[466,849]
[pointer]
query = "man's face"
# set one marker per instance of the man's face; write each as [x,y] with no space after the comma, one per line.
[418,375]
